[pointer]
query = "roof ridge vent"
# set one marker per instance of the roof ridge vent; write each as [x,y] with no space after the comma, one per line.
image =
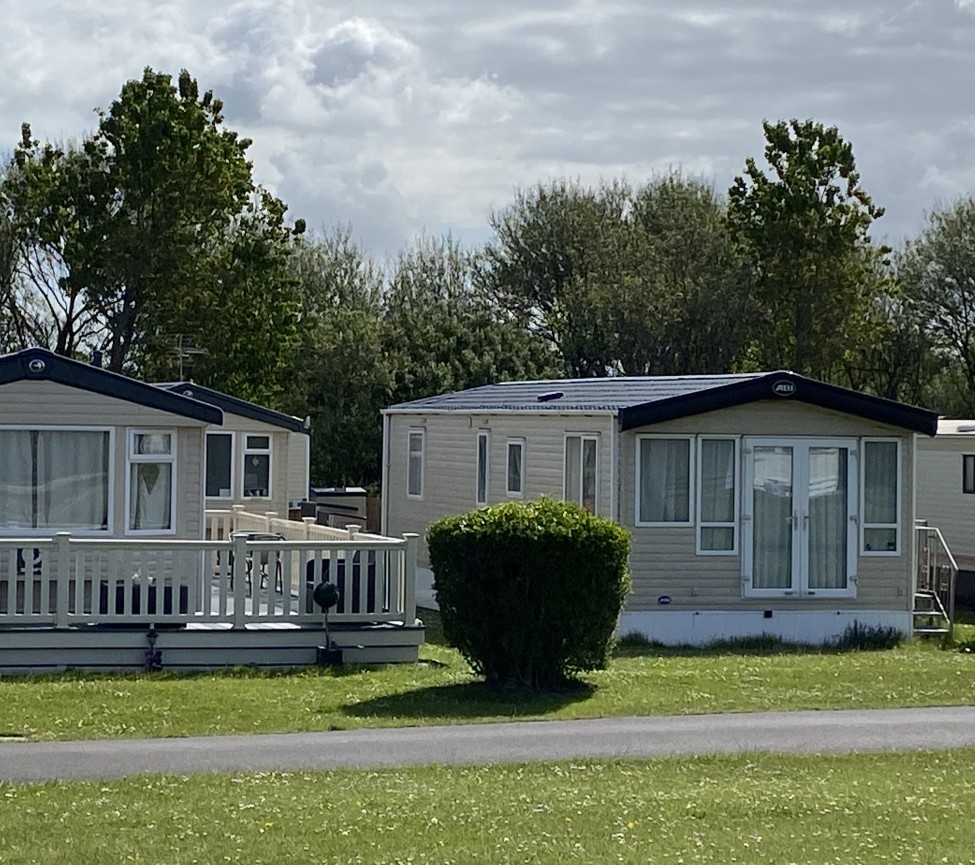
[548,397]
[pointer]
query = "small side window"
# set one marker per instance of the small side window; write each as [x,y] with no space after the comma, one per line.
[483,467]
[968,474]
[516,467]
[414,469]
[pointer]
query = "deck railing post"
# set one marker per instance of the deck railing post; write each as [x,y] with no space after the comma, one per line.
[269,517]
[309,522]
[63,540]
[409,576]
[353,530]
[239,577]
[237,511]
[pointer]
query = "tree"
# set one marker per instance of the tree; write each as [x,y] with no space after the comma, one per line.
[635,281]
[937,274]
[442,332]
[153,230]
[804,230]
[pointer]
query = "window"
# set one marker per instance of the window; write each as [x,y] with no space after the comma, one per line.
[483,467]
[881,496]
[717,496]
[968,473]
[257,467]
[220,466]
[664,481]
[151,503]
[516,467]
[54,479]
[581,462]
[414,470]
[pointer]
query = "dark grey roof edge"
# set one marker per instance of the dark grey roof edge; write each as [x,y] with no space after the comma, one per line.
[40,364]
[235,405]
[783,385]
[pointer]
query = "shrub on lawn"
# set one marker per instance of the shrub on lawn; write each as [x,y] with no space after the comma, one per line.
[530,592]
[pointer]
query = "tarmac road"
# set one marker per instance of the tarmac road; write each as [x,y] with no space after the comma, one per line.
[785,732]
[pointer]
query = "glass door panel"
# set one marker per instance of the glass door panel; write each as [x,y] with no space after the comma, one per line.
[828,521]
[772,518]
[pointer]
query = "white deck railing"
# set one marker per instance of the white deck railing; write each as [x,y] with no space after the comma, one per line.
[239,575]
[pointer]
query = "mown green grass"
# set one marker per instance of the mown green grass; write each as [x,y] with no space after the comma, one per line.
[753,809]
[441,690]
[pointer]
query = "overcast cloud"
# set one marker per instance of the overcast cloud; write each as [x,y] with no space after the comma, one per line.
[402,118]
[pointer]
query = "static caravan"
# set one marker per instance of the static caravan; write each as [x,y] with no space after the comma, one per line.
[257,457]
[764,503]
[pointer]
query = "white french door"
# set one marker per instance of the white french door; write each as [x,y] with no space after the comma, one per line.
[800,512]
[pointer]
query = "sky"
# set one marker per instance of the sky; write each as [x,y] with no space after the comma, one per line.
[405,118]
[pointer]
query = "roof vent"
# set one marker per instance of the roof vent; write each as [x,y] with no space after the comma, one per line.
[548,397]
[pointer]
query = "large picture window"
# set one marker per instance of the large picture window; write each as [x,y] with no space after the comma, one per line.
[881,497]
[664,488]
[581,467]
[151,486]
[54,479]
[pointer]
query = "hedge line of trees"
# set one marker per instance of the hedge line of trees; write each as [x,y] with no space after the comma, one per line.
[150,233]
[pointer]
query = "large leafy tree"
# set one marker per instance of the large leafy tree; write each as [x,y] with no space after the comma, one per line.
[152,231]
[937,274]
[442,331]
[803,224]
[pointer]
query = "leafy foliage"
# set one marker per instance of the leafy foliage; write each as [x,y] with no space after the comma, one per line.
[530,592]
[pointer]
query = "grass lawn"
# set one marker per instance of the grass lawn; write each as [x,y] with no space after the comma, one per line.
[440,690]
[757,809]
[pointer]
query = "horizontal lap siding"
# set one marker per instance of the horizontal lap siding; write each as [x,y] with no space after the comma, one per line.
[451,462]
[45,403]
[664,561]
[940,499]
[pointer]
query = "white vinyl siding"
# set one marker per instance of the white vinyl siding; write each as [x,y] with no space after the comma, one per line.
[415,467]
[515,473]
[482,481]
[664,473]
[880,511]
[717,504]
[151,481]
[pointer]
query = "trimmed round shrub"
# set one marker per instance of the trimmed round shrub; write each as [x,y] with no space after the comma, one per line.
[530,592]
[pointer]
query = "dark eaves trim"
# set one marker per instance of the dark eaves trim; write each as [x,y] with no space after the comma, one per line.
[39,364]
[238,406]
[783,386]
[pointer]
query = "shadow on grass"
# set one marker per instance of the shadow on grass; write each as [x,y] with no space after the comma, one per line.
[470,700]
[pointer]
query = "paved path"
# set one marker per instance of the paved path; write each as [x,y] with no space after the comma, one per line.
[796,732]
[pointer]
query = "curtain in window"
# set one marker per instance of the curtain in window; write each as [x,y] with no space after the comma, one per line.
[880,495]
[514,468]
[16,479]
[772,518]
[589,475]
[573,472]
[150,496]
[717,481]
[72,479]
[664,480]
[828,517]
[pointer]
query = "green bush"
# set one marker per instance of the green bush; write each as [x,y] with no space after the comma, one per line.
[530,592]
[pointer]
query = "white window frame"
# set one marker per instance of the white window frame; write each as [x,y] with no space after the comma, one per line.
[583,438]
[422,433]
[864,525]
[800,586]
[233,463]
[133,458]
[515,443]
[485,436]
[691,476]
[966,460]
[699,504]
[247,451]
[24,531]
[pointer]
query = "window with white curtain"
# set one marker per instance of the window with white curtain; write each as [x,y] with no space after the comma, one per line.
[717,496]
[54,479]
[483,482]
[151,481]
[881,497]
[581,462]
[414,467]
[664,480]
